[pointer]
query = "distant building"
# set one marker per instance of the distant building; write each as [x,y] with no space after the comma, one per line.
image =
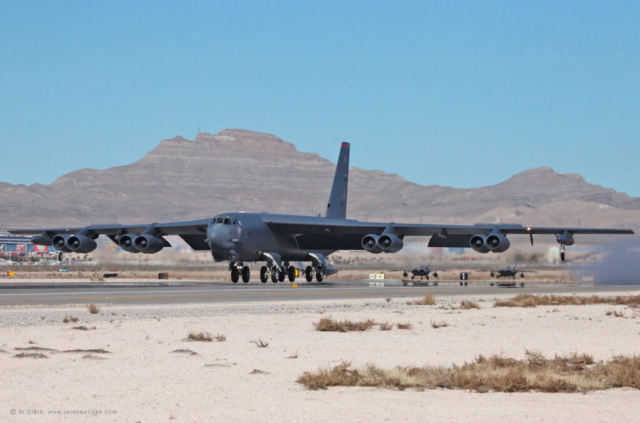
[21,245]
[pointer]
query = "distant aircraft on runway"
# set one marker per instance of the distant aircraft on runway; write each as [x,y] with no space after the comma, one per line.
[279,239]
[509,272]
[422,271]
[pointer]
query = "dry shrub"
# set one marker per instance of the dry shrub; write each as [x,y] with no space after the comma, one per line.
[385,326]
[93,309]
[404,326]
[69,318]
[427,300]
[30,355]
[572,373]
[261,344]
[327,324]
[440,324]
[466,305]
[220,338]
[82,327]
[388,300]
[614,313]
[92,350]
[530,300]
[200,336]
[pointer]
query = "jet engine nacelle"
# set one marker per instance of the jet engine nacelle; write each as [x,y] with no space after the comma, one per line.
[498,243]
[148,244]
[390,243]
[370,243]
[42,240]
[60,243]
[81,244]
[126,243]
[479,244]
[565,239]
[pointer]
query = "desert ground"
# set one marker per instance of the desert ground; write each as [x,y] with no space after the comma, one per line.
[140,377]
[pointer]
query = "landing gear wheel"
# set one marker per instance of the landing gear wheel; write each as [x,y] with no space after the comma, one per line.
[282,275]
[427,277]
[404,274]
[562,256]
[246,274]
[413,277]
[235,275]
[264,274]
[275,274]
[319,277]
[309,273]
[292,274]
[435,274]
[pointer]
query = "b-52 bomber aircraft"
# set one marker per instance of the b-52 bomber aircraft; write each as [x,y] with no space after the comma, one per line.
[279,239]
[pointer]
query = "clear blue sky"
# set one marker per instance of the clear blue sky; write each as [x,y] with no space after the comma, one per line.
[463,94]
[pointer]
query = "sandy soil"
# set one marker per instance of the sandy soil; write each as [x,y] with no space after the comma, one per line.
[141,379]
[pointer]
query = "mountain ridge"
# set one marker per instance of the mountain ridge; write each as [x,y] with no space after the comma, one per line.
[238,169]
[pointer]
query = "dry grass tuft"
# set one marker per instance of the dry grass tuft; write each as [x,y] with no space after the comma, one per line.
[92,350]
[199,336]
[220,338]
[327,324]
[466,305]
[183,351]
[385,326]
[614,313]
[440,324]
[34,349]
[530,300]
[93,309]
[82,327]
[261,344]
[427,300]
[388,300]
[30,355]
[404,326]
[69,318]
[572,373]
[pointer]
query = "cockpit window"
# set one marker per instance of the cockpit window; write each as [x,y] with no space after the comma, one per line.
[235,222]
[220,220]
[227,221]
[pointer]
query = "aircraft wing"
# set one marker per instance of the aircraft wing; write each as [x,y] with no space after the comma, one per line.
[314,225]
[192,227]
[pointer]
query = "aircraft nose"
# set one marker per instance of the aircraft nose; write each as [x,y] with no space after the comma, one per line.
[218,238]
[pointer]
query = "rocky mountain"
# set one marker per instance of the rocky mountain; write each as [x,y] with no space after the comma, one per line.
[243,170]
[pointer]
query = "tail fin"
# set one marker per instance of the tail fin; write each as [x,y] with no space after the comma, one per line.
[337,206]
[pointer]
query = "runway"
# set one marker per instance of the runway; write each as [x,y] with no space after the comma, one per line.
[219,292]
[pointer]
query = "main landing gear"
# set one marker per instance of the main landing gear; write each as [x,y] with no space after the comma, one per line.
[272,273]
[238,271]
[310,272]
[562,253]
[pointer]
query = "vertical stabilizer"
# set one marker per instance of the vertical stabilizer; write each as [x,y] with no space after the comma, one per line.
[337,206]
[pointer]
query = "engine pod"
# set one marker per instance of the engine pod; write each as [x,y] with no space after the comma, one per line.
[126,243]
[81,244]
[370,243]
[148,244]
[478,243]
[390,243]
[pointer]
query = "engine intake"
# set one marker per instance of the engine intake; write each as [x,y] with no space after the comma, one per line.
[81,244]
[370,243]
[498,243]
[126,243]
[60,243]
[148,244]
[479,244]
[390,243]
